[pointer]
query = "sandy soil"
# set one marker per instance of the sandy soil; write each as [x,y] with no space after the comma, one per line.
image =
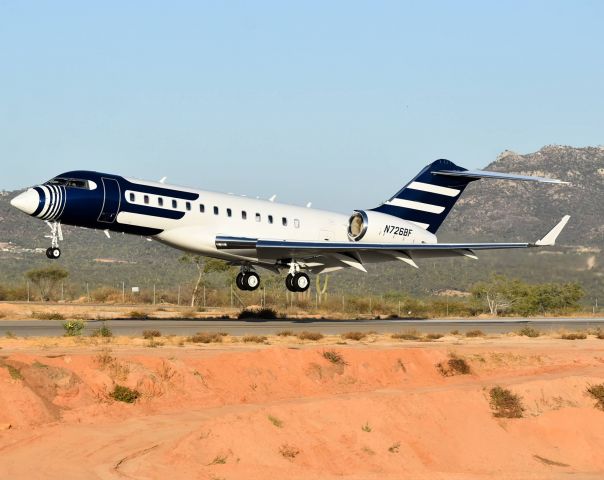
[236,411]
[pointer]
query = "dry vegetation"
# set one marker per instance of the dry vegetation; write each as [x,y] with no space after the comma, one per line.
[454,366]
[573,336]
[314,336]
[354,336]
[597,393]
[505,404]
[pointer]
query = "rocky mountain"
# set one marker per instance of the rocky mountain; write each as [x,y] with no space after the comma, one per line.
[488,210]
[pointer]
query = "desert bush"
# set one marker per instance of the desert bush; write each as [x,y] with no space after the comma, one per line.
[205,337]
[288,451]
[434,336]
[9,334]
[218,460]
[334,357]
[600,334]
[122,393]
[73,328]
[285,333]
[474,333]
[310,335]
[105,294]
[406,335]
[254,339]
[48,316]
[366,428]
[275,421]
[103,331]
[136,315]
[597,392]
[262,313]
[529,332]
[147,334]
[354,336]
[454,366]
[505,404]
[14,373]
[573,336]
[454,332]
[394,448]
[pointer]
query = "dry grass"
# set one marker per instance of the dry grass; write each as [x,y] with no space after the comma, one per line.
[205,337]
[434,336]
[285,333]
[48,316]
[147,334]
[573,336]
[474,333]
[255,339]
[597,392]
[124,394]
[528,332]
[275,421]
[289,451]
[406,335]
[454,366]
[314,336]
[354,336]
[505,404]
[136,315]
[334,357]
[599,334]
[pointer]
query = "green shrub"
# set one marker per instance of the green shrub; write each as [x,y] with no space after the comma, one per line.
[597,392]
[73,328]
[354,336]
[310,336]
[262,313]
[334,357]
[124,394]
[505,404]
[529,332]
[103,331]
[147,334]
[48,316]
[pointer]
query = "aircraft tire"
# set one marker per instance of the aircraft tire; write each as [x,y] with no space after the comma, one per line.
[240,281]
[301,281]
[251,280]
[289,283]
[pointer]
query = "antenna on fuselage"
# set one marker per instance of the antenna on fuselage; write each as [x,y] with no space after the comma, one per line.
[163,179]
[309,204]
[272,199]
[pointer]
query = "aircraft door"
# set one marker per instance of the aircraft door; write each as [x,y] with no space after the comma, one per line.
[112,200]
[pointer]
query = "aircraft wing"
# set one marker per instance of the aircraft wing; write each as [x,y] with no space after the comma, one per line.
[351,253]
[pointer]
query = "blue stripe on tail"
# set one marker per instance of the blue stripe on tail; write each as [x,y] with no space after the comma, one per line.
[428,198]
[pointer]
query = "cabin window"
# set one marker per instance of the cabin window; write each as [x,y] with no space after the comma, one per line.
[215,210]
[258,217]
[132,197]
[284,221]
[146,199]
[243,215]
[174,204]
[202,208]
[160,201]
[229,212]
[296,223]
[270,219]
[188,205]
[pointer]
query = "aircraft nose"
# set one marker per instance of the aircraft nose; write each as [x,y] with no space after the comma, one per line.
[27,201]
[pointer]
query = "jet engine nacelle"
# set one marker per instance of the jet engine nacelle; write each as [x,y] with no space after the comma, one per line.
[376,227]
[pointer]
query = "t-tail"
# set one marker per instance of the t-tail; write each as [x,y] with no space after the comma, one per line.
[429,197]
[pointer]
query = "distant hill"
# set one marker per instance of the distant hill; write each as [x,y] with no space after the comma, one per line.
[488,210]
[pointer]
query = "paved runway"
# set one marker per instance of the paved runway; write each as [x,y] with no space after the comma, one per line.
[40,328]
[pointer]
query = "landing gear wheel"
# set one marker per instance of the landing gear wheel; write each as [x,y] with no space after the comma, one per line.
[251,280]
[248,281]
[53,253]
[289,283]
[301,281]
[298,282]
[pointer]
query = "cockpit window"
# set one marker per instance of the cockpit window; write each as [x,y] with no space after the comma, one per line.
[73,183]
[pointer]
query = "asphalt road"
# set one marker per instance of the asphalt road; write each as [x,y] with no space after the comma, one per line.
[43,328]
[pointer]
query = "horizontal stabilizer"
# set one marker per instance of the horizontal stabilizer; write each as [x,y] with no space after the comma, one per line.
[478,174]
[550,238]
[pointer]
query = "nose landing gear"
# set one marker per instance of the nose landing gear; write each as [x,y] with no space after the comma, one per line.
[56,234]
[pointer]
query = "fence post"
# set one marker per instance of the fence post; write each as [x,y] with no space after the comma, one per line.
[153,294]
[123,292]
[178,299]
[27,292]
[87,292]
[204,296]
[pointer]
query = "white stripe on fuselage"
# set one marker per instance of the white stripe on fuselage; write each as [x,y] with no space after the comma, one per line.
[423,207]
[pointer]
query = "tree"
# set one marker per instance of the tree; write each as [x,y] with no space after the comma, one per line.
[321,291]
[499,293]
[46,279]
[204,266]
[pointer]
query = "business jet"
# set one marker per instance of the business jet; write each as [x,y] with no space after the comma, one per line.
[253,233]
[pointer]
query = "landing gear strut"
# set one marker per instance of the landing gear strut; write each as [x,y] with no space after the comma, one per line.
[296,281]
[247,279]
[56,234]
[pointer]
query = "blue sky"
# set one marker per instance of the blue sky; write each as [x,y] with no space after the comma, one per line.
[335,102]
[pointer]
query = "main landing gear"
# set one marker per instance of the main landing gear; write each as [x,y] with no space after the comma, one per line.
[247,280]
[53,252]
[296,281]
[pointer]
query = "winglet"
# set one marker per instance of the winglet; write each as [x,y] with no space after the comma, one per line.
[550,238]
